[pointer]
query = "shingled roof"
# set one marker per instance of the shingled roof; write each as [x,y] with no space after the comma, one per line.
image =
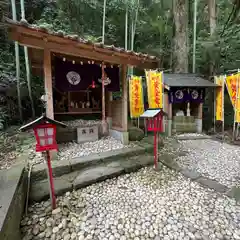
[186,80]
[37,37]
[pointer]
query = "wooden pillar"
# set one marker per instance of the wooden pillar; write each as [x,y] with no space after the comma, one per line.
[198,121]
[109,109]
[200,111]
[124,98]
[169,119]
[109,104]
[48,83]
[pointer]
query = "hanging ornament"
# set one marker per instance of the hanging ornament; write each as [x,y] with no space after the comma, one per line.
[81,63]
[64,59]
[194,94]
[93,85]
[73,62]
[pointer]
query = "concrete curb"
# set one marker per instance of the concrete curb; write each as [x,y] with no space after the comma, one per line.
[67,166]
[193,138]
[12,201]
[87,176]
[233,192]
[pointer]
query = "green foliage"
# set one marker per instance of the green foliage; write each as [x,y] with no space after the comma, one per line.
[154,34]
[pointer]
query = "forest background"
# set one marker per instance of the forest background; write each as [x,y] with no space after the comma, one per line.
[164,28]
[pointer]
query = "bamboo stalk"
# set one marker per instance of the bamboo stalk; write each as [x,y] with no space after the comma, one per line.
[14,17]
[27,64]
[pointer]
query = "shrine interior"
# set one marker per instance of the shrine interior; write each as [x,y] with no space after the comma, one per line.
[77,87]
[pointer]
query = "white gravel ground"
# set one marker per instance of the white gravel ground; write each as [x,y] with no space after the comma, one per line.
[143,205]
[103,145]
[72,149]
[192,135]
[216,160]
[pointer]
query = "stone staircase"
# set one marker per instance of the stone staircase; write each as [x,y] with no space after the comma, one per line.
[82,171]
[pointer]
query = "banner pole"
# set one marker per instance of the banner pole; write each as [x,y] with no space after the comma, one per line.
[163,101]
[214,107]
[237,101]
[223,85]
[235,111]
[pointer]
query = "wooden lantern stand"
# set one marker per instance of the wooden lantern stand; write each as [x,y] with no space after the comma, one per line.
[154,123]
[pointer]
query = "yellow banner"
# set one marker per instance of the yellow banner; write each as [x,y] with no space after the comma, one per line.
[155,89]
[136,97]
[233,86]
[220,98]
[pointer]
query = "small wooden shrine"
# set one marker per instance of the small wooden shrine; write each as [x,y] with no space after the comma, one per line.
[183,101]
[73,70]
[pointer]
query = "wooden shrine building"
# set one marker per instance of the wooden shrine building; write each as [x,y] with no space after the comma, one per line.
[184,97]
[73,68]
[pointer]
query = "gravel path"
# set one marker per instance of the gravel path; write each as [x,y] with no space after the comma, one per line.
[143,205]
[216,160]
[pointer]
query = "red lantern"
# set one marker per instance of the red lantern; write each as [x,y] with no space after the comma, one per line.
[45,135]
[154,123]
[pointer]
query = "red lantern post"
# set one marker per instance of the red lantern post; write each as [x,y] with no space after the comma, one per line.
[45,134]
[154,122]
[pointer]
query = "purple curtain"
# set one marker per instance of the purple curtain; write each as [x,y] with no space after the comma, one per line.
[180,95]
[75,77]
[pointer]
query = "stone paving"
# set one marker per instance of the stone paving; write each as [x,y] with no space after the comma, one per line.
[213,159]
[145,205]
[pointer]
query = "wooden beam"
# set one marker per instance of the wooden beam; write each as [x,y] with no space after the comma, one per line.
[32,32]
[71,47]
[48,83]
[124,98]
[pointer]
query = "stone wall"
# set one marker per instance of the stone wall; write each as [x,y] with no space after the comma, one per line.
[66,135]
[184,124]
[117,114]
[13,187]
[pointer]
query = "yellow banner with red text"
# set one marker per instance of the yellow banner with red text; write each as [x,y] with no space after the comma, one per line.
[136,97]
[220,98]
[154,88]
[233,87]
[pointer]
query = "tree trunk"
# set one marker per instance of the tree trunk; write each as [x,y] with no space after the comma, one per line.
[104,21]
[14,16]
[133,30]
[180,14]
[212,25]
[126,26]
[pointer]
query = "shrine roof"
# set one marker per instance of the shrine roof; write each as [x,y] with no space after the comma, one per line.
[186,80]
[150,113]
[38,37]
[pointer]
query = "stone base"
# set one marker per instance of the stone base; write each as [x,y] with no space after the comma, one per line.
[87,134]
[198,125]
[109,121]
[122,136]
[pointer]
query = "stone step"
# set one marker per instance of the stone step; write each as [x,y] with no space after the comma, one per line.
[103,170]
[39,172]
